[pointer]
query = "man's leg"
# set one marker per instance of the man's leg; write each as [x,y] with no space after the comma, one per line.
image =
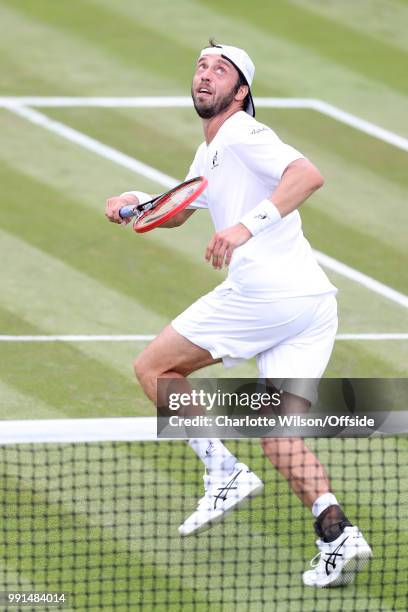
[305,473]
[308,479]
[343,549]
[299,466]
[173,356]
[169,355]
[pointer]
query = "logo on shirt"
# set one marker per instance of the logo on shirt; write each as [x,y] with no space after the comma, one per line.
[215,161]
[257,130]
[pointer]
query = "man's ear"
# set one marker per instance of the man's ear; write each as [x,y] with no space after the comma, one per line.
[241,93]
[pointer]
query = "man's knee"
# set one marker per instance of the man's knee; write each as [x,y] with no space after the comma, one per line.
[143,370]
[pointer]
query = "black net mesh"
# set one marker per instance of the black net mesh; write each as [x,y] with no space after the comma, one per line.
[99,523]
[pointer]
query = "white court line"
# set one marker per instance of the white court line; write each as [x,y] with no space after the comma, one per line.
[149,337]
[97,102]
[78,430]
[121,429]
[385,336]
[94,145]
[320,106]
[361,124]
[80,338]
[361,279]
[167,181]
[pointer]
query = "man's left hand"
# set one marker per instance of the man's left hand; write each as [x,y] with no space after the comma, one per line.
[223,244]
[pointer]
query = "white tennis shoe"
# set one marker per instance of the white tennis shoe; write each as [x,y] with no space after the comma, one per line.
[223,493]
[337,562]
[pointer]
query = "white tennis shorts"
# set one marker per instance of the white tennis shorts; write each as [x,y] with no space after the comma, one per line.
[290,337]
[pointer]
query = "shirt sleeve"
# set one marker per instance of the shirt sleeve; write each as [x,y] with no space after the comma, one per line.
[196,170]
[265,154]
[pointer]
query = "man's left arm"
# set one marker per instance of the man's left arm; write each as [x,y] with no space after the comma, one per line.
[299,180]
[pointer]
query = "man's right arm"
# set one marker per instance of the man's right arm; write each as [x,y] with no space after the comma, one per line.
[114,204]
[180,218]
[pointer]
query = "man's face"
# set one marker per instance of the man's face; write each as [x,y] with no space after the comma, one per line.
[214,85]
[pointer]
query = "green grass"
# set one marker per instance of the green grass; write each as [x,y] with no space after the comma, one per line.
[325,37]
[65,270]
[85,528]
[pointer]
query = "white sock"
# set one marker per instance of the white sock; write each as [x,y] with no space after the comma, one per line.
[323,502]
[215,456]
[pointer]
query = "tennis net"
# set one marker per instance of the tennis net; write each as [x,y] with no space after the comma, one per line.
[90,509]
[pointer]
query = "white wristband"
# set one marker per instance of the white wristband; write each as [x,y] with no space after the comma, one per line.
[262,216]
[141,196]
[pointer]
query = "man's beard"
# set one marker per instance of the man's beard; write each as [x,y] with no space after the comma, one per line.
[217,107]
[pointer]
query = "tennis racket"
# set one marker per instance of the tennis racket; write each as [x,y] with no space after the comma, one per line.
[160,209]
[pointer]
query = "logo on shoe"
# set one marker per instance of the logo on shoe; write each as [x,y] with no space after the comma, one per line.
[228,487]
[333,555]
[210,449]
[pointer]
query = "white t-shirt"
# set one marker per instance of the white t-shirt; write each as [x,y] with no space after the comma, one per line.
[243,164]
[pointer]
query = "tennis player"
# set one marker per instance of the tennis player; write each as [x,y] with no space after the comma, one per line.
[276,304]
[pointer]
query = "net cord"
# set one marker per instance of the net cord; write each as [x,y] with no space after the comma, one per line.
[122,429]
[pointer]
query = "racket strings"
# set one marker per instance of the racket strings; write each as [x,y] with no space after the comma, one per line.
[169,202]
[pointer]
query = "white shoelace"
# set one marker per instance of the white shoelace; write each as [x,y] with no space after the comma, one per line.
[316,559]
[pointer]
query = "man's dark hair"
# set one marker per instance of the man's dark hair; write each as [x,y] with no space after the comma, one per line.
[241,79]
[213,42]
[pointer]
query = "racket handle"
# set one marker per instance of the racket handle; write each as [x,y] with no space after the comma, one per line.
[127,211]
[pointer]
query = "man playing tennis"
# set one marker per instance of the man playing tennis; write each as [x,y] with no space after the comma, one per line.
[276,303]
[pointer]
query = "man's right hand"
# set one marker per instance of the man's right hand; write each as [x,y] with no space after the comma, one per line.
[113,206]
